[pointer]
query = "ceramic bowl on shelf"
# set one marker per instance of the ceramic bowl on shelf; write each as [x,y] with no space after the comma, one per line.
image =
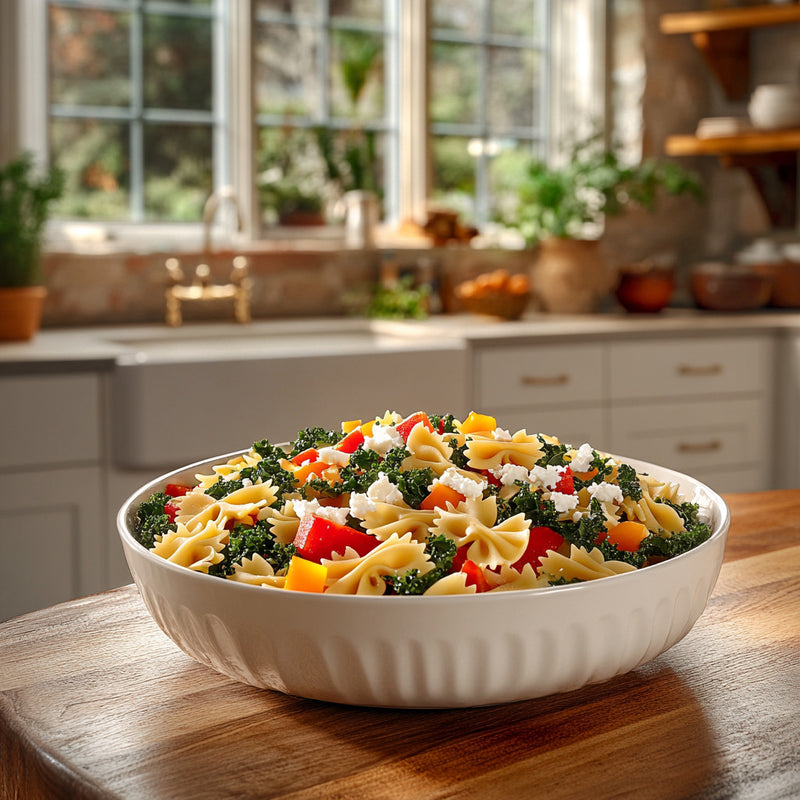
[429,651]
[730,287]
[775,106]
[645,288]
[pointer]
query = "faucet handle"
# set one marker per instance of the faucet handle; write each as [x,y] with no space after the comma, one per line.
[240,269]
[174,270]
[202,275]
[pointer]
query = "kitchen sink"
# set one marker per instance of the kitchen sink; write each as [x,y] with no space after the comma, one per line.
[189,393]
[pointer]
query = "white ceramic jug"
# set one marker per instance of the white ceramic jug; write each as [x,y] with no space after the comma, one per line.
[360,210]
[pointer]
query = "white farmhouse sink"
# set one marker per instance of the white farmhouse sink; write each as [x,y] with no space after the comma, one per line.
[184,394]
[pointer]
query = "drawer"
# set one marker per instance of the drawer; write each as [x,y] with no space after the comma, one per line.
[49,419]
[694,437]
[571,425]
[529,376]
[690,367]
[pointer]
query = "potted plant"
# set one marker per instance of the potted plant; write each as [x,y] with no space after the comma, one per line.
[562,209]
[25,200]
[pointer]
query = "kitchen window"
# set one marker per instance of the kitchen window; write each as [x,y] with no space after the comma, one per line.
[150,105]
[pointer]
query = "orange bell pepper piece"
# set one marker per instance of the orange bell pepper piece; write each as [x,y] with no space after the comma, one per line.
[440,495]
[628,535]
[305,576]
[478,423]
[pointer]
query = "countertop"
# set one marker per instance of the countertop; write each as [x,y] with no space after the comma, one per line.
[101,347]
[95,702]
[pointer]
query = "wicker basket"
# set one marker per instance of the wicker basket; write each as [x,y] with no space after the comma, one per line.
[503,305]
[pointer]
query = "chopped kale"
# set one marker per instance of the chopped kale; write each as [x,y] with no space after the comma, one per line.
[443,423]
[414,483]
[313,437]
[441,551]
[530,502]
[151,521]
[247,540]
[459,456]
[552,454]
[628,482]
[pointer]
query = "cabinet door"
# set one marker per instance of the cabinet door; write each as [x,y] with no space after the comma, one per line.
[539,376]
[49,419]
[702,437]
[690,367]
[52,538]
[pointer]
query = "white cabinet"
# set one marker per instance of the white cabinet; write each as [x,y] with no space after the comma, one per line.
[699,404]
[52,509]
[557,389]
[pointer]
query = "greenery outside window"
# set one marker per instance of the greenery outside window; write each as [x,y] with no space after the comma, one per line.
[151,105]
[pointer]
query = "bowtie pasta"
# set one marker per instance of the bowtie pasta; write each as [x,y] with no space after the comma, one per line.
[424,504]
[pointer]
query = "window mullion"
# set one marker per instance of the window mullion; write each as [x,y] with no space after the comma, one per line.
[136,134]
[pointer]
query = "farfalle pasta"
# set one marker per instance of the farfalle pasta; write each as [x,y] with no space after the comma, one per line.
[422,504]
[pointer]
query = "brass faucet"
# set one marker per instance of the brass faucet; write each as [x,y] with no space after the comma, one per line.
[239,286]
[238,289]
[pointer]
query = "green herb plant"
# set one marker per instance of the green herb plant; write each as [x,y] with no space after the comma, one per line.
[592,184]
[25,201]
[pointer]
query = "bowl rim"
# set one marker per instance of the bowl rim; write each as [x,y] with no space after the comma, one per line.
[717,505]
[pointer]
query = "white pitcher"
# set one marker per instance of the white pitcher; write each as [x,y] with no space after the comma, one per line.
[360,209]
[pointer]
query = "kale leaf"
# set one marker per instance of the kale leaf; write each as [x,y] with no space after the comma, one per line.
[441,551]
[151,521]
[247,540]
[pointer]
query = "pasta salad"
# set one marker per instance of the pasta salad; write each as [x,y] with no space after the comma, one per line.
[422,504]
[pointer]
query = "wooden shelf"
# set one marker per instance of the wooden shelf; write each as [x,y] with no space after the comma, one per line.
[722,36]
[726,19]
[756,142]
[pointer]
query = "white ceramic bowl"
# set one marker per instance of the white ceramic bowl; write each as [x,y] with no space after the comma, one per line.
[774,106]
[428,652]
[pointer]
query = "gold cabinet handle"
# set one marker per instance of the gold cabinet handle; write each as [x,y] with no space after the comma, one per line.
[710,446]
[699,370]
[544,380]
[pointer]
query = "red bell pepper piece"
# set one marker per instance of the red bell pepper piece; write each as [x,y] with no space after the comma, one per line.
[319,538]
[351,442]
[308,455]
[475,576]
[171,511]
[540,540]
[405,427]
[566,483]
[176,489]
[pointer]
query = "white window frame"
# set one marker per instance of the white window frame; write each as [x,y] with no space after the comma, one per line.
[577,103]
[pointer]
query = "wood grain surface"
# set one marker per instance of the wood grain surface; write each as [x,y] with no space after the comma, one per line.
[96,702]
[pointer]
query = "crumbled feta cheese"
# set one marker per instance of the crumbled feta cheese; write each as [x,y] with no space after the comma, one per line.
[546,476]
[384,491]
[455,480]
[384,438]
[246,482]
[582,460]
[361,505]
[509,474]
[577,516]
[605,492]
[333,513]
[304,507]
[330,455]
[564,502]
[502,435]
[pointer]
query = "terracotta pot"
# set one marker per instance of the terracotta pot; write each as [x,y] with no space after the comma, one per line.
[643,289]
[570,276]
[20,312]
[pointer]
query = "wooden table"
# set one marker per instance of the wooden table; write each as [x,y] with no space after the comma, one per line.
[96,702]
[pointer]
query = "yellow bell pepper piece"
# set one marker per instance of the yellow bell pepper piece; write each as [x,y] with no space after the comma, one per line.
[475,423]
[305,576]
[350,425]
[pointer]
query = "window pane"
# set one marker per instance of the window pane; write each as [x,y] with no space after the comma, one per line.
[464,16]
[513,83]
[287,85]
[505,171]
[356,70]
[297,8]
[89,57]
[454,175]
[454,82]
[177,62]
[357,9]
[178,173]
[94,156]
[513,17]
